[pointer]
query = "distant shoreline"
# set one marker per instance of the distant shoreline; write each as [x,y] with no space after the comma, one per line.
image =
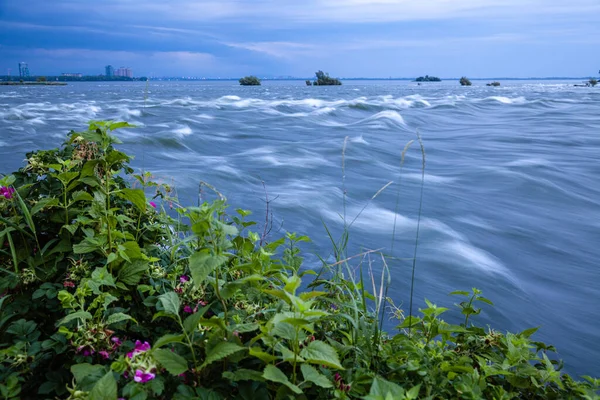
[12,83]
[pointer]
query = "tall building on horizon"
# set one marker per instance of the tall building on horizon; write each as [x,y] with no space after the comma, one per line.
[23,70]
[109,71]
[124,72]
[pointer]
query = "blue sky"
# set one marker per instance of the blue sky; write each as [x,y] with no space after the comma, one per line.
[348,38]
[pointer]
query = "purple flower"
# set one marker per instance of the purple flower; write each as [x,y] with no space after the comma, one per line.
[142,376]
[153,204]
[88,352]
[188,310]
[116,341]
[139,348]
[7,192]
[104,354]
[184,279]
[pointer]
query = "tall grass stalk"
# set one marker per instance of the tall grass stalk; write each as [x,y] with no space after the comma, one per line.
[414,263]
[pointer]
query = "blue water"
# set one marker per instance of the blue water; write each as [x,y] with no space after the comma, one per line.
[511,199]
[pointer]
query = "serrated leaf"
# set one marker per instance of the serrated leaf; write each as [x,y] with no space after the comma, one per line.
[274,374]
[105,388]
[319,352]
[261,355]
[81,196]
[172,361]
[528,332]
[384,389]
[170,302]
[136,196]
[117,317]
[202,265]
[132,273]
[244,328]
[311,374]
[191,322]
[221,351]
[43,203]
[84,315]
[87,245]
[80,371]
[243,374]
[168,339]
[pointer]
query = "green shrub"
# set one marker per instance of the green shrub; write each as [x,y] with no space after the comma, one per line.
[464,81]
[428,78]
[250,81]
[323,79]
[308,83]
[593,82]
[493,84]
[106,294]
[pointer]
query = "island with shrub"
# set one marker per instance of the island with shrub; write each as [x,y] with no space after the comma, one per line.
[250,81]
[323,79]
[428,78]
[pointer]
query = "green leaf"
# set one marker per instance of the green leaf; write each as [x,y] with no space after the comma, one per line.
[172,362]
[105,388]
[311,374]
[191,323]
[243,374]
[528,332]
[384,389]
[319,352]
[261,355]
[484,300]
[221,351]
[84,315]
[132,273]
[274,374]
[101,276]
[170,302]
[136,196]
[25,212]
[81,196]
[117,317]
[80,371]
[202,265]
[168,339]
[460,293]
[87,245]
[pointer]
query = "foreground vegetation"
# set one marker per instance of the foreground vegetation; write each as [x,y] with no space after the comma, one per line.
[107,294]
[250,81]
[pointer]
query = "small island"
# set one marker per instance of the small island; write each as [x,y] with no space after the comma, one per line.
[464,81]
[495,83]
[323,79]
[250,81]
[593,82]
[428,78]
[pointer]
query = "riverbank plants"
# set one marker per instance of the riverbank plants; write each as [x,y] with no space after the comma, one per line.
[111,289]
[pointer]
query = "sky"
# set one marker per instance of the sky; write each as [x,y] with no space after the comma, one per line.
[347,38]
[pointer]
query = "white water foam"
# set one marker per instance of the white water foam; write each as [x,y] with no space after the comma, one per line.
[183,131]
[506,100]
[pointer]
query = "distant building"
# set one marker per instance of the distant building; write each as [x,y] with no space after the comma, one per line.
[124,72]
[109,71]
[73,74]
[23,70]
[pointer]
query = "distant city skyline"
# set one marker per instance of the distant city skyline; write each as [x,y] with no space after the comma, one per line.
[347,38]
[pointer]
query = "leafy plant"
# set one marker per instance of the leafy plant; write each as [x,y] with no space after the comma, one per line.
[112,289]
[464,81]
[323,79]
[250,81]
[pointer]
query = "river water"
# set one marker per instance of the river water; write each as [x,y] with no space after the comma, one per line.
[511,199]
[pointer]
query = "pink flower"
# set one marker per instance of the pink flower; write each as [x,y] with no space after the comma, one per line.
[139,348]
[7,192]
[105,355]
[142,376]
[153,204]
[68,284]
[116,341]
[88,352]
[188,310]
[184,279]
